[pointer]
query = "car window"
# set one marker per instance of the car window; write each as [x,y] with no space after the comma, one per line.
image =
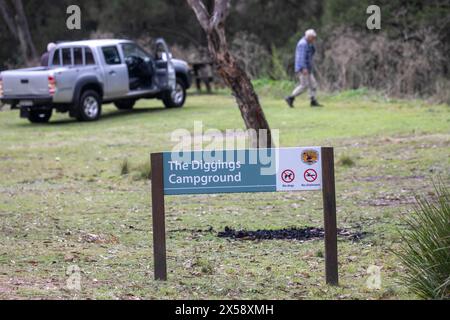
[56,61]
[89,56]
[111,55]
[161,53]
[78,56]
[67,57]
[131,49]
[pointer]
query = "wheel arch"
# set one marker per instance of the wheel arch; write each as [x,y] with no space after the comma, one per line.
[88,83]
[184,78]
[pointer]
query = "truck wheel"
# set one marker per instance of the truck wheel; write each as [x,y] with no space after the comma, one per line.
[125,104]
[177,97]
[39,116]
[89,107]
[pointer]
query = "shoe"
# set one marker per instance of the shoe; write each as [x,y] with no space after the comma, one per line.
[315,103]
[290,101]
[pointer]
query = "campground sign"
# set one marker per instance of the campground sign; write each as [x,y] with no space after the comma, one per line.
[266,170]
[243,171]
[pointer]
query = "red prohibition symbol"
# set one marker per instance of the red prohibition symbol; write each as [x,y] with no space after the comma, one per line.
[310,175]
[288,176]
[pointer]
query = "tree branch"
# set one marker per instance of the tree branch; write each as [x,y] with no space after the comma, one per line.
[24,27]
[220,12]
[233,75]
[8,17]
[201,12]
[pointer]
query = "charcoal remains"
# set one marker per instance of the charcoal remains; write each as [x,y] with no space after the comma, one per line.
[301,234]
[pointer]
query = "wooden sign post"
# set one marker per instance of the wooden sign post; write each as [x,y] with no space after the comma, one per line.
[159,218]
[329,212]
[290,169]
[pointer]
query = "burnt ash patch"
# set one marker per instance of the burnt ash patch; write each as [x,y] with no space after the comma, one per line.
[300,234]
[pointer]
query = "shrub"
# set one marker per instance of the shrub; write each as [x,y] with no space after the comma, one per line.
[273,88]
[251,54]
[425,250]
[278,71]
[416,67]
[143,171]
[346,161]
[138,172]
[124,167]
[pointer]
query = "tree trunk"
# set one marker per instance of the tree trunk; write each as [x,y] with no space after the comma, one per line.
[17,23]
[8,17]
[24,34]
[230,71]
[240,84]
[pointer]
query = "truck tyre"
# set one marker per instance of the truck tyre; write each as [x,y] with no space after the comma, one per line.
[39,116]
[89,106]
[177,97]
[125,104]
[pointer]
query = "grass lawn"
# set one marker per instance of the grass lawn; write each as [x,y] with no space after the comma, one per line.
[64,202]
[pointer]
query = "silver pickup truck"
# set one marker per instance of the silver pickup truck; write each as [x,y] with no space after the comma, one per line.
[83,75]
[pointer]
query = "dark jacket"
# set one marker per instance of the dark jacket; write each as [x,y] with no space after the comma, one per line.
[45,59]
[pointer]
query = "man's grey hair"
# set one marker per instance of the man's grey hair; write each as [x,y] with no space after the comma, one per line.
[311,33]
[51,46]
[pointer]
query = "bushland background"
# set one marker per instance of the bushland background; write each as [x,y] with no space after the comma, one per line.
[408,57]
[76,194]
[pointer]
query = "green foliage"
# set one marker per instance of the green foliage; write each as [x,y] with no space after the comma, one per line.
[425,251]
[143,171]
[399,18]
[351,13]
[138,172]
[348,57]
[269,87]
[274,21]
[352,94]
[124,167]
[278,71]
[347,161]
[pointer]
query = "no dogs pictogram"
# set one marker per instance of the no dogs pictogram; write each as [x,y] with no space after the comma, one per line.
[310,175]
[288,176]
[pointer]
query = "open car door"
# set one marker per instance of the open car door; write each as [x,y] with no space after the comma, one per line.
[165,70]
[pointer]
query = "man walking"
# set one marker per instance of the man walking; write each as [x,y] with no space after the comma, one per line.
[304,68]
